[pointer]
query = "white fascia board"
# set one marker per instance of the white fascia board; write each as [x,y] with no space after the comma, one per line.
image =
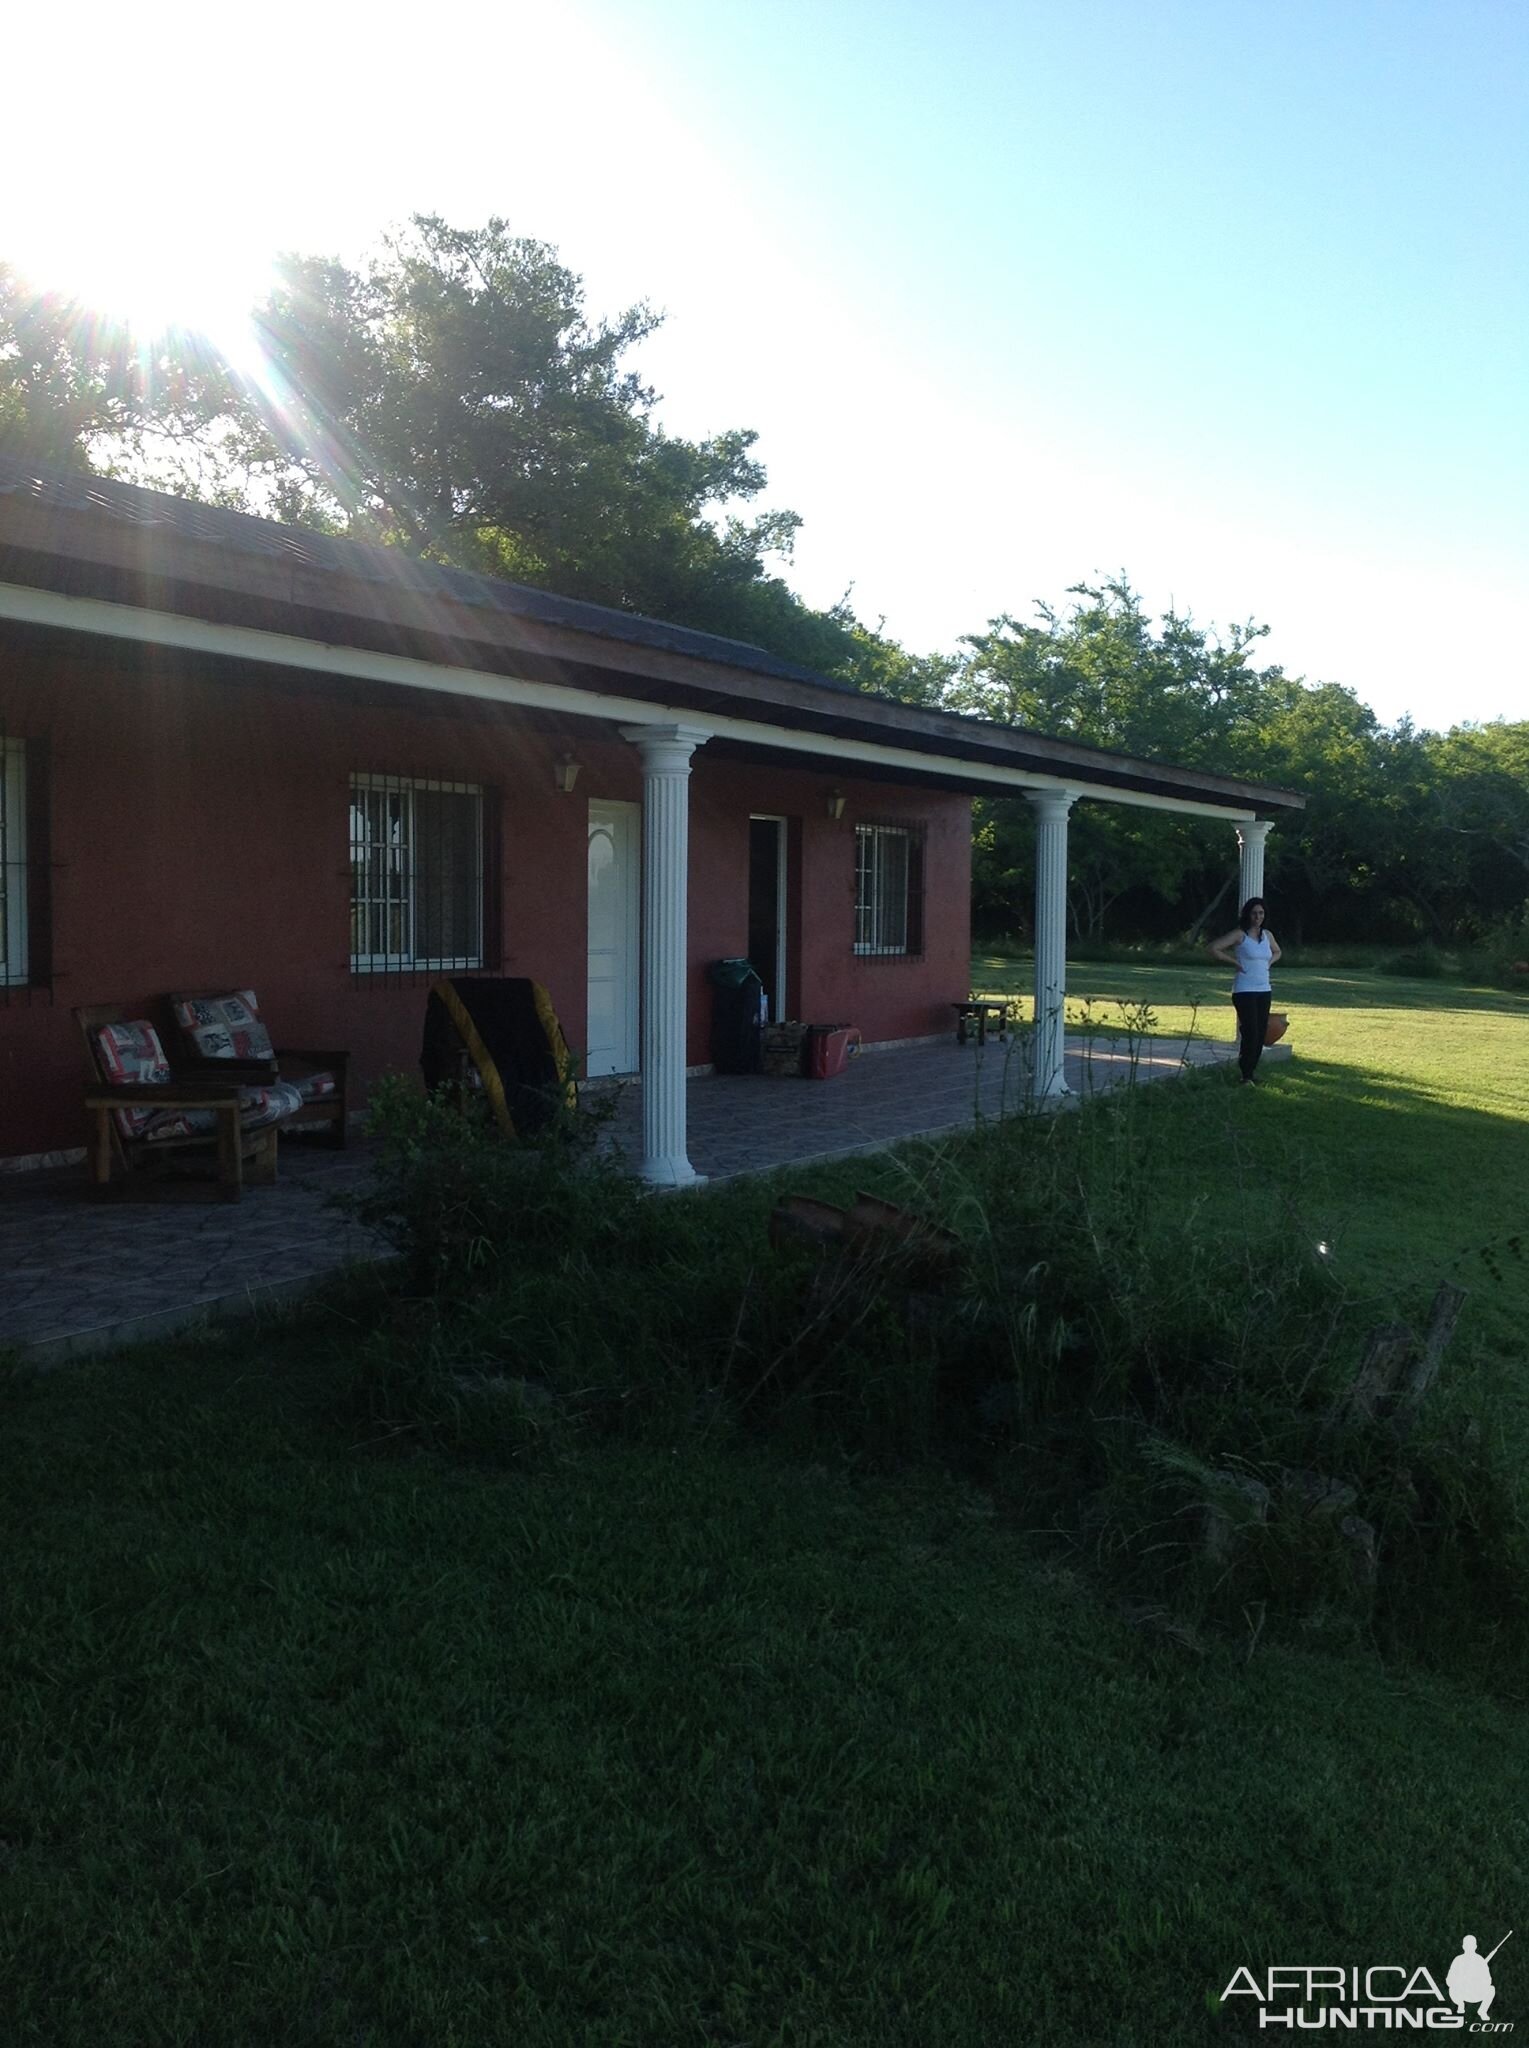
[285,650]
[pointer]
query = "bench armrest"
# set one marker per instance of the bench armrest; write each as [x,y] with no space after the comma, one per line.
[163,1094]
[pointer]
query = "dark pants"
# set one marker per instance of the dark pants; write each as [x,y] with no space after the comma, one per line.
[1252,1023]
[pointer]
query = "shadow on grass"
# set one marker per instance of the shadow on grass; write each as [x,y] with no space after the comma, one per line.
[1342,1091]
[1414,1188]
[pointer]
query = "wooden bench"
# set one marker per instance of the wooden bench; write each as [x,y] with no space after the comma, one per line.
[143,1164]
[981,1011]
[321,1078]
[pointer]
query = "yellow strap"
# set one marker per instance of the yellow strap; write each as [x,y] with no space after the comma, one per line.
[492,1084]
[554,1035]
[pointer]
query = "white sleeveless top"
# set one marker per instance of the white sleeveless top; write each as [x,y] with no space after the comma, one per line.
[1252,957]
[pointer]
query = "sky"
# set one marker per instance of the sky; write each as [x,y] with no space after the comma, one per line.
[1233,297]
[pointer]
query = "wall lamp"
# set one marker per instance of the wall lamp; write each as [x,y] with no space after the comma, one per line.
[836,803]
[565,773]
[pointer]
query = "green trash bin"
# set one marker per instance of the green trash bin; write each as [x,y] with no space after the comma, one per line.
[737,1016]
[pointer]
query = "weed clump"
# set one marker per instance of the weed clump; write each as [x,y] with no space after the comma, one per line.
[1179,1377]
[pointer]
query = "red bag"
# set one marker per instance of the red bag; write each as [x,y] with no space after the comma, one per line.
[830,1048]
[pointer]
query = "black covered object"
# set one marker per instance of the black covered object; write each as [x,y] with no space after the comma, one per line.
[737,1017]
[499,1033]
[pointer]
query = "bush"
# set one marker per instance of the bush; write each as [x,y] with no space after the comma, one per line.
[1416,963]
[460,1203]
[1141,952]
[1499,954]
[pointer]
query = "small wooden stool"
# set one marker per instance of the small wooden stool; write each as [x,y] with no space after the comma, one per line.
[976,1010]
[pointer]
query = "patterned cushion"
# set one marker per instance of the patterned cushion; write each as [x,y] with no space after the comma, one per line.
[258,1107]
[225,1027]
[317,1087]
[132,1052]
[178,1123]
[261,1106]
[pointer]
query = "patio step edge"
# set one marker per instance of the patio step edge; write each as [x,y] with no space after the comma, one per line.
[64,1345]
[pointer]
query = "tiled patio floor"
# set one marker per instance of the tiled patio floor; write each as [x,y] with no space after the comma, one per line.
[77,1274]
[747,1123]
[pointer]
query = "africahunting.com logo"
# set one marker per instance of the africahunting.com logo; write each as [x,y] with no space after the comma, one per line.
[1345,1998]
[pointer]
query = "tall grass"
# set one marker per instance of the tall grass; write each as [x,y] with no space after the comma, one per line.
[1145,1374]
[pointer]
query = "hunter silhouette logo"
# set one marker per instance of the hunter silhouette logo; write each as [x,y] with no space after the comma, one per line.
[1311,1997]
[1470,1977]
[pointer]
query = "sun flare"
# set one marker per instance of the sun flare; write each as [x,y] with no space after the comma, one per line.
[153,283]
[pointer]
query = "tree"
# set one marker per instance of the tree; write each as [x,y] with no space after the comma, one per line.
[885,669]
[1478,807]
[452,397]
[1102,674]
[1337,858]
[72,384]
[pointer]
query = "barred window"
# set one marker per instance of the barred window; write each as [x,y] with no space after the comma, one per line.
[14,965]
[416,875]
[889,889]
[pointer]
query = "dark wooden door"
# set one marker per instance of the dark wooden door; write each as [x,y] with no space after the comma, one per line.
[765,906]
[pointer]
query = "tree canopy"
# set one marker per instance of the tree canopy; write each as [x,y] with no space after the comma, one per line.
[452,396]
[74,385]
[1403,834]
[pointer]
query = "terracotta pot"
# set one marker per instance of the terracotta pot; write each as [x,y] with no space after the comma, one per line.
[1276,1028]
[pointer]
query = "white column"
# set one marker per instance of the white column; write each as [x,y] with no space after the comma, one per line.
[1250,859]
[666,752]
[1051,807]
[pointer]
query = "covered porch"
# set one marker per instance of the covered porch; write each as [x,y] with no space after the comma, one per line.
[82,1275]
[194,701]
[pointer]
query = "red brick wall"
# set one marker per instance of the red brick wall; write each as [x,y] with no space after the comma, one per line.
[200,840]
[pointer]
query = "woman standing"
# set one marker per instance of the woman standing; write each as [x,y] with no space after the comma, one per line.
[1252,951]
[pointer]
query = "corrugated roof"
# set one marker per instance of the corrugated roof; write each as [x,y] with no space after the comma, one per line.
[245,533]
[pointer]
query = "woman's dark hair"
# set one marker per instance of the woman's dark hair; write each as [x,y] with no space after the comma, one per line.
[1246,918]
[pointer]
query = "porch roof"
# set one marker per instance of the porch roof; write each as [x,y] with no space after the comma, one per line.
[81,554]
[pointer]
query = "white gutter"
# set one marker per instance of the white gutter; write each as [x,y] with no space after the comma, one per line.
[284,650]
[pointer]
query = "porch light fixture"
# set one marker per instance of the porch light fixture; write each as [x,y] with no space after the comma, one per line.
[565,773]
[836,803]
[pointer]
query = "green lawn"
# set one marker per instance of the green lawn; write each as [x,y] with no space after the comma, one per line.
[315,1740]
[1403,1116]
[660,1749]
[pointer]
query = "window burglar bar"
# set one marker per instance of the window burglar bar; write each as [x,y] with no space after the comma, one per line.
[889,890]
[416,876]
[13,863]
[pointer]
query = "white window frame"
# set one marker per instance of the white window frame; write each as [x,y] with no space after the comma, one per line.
[407,961]
[13,861]
[870,884]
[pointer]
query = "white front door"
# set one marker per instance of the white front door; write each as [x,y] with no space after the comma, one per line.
[615,867]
